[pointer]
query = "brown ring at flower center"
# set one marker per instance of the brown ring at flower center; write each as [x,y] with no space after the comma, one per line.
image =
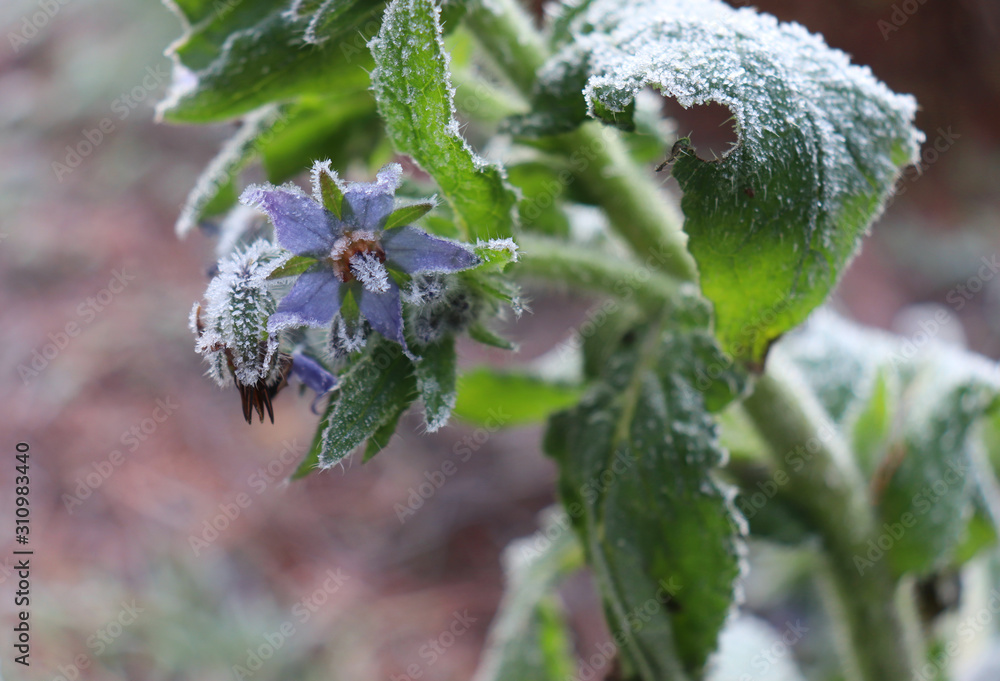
[349,245]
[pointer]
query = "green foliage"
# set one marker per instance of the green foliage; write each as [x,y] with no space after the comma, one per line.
[490,397]
[912,413]
[417,104]
[235,57]
[435,374]
[635,459]
[373,392]
[773,223]
[529,639]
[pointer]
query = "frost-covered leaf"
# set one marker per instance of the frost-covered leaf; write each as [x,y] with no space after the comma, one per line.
[381,438]
[773,223]
[286,139]
[237,56]
[293,266]
[372,392]
[214,190]
[636,458]
[911,410]
[497,253]
[436,382]
[493,398]
[530,640]
[405,215]
[415,98]
[931,479]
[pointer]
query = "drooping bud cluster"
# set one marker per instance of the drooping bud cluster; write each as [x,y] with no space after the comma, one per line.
[231,326]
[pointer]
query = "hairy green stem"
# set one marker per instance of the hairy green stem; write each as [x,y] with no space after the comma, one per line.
[591,269]
[636,206]
[824,485]
[826,488]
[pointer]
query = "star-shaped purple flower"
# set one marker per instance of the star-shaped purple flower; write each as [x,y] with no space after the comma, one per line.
[355,235]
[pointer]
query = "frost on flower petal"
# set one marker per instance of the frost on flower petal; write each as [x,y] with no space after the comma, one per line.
[412,250]
[369,270]
[313,301]
[370,203]
[301,224]
[384,312]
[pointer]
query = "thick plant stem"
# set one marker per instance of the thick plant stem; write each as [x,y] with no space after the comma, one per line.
[590,269]
[827,490]
[597,157]
[823,482]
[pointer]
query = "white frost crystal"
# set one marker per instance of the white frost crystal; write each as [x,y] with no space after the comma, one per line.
[232,325]
[370,271]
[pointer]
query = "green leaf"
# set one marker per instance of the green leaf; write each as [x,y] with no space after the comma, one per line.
[417,104]
[542,188]
[295,265]
[409,214]
[341,129]
[436,382]
[480,333]
[497,253]
[931,480]
[380,438]
[214,192]
[237,57]
[636,458]
[529,640]
[912,411]
[774,222]
[373,392]
[329,189]
[488,397]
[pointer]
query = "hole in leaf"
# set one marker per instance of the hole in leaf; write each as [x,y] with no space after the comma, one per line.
[710,126]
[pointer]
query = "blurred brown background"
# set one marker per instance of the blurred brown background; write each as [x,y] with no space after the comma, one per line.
[94,301]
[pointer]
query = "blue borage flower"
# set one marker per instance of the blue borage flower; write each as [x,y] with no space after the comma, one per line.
[356,236]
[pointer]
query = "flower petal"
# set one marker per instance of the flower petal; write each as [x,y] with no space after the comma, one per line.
[368,204]
[383,311]
[301,224]
[413,250]
[314,375]
[313,301]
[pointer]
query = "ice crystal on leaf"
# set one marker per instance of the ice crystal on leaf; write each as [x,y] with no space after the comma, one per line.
[821,141]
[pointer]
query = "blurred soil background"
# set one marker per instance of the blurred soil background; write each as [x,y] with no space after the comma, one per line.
[119,588]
